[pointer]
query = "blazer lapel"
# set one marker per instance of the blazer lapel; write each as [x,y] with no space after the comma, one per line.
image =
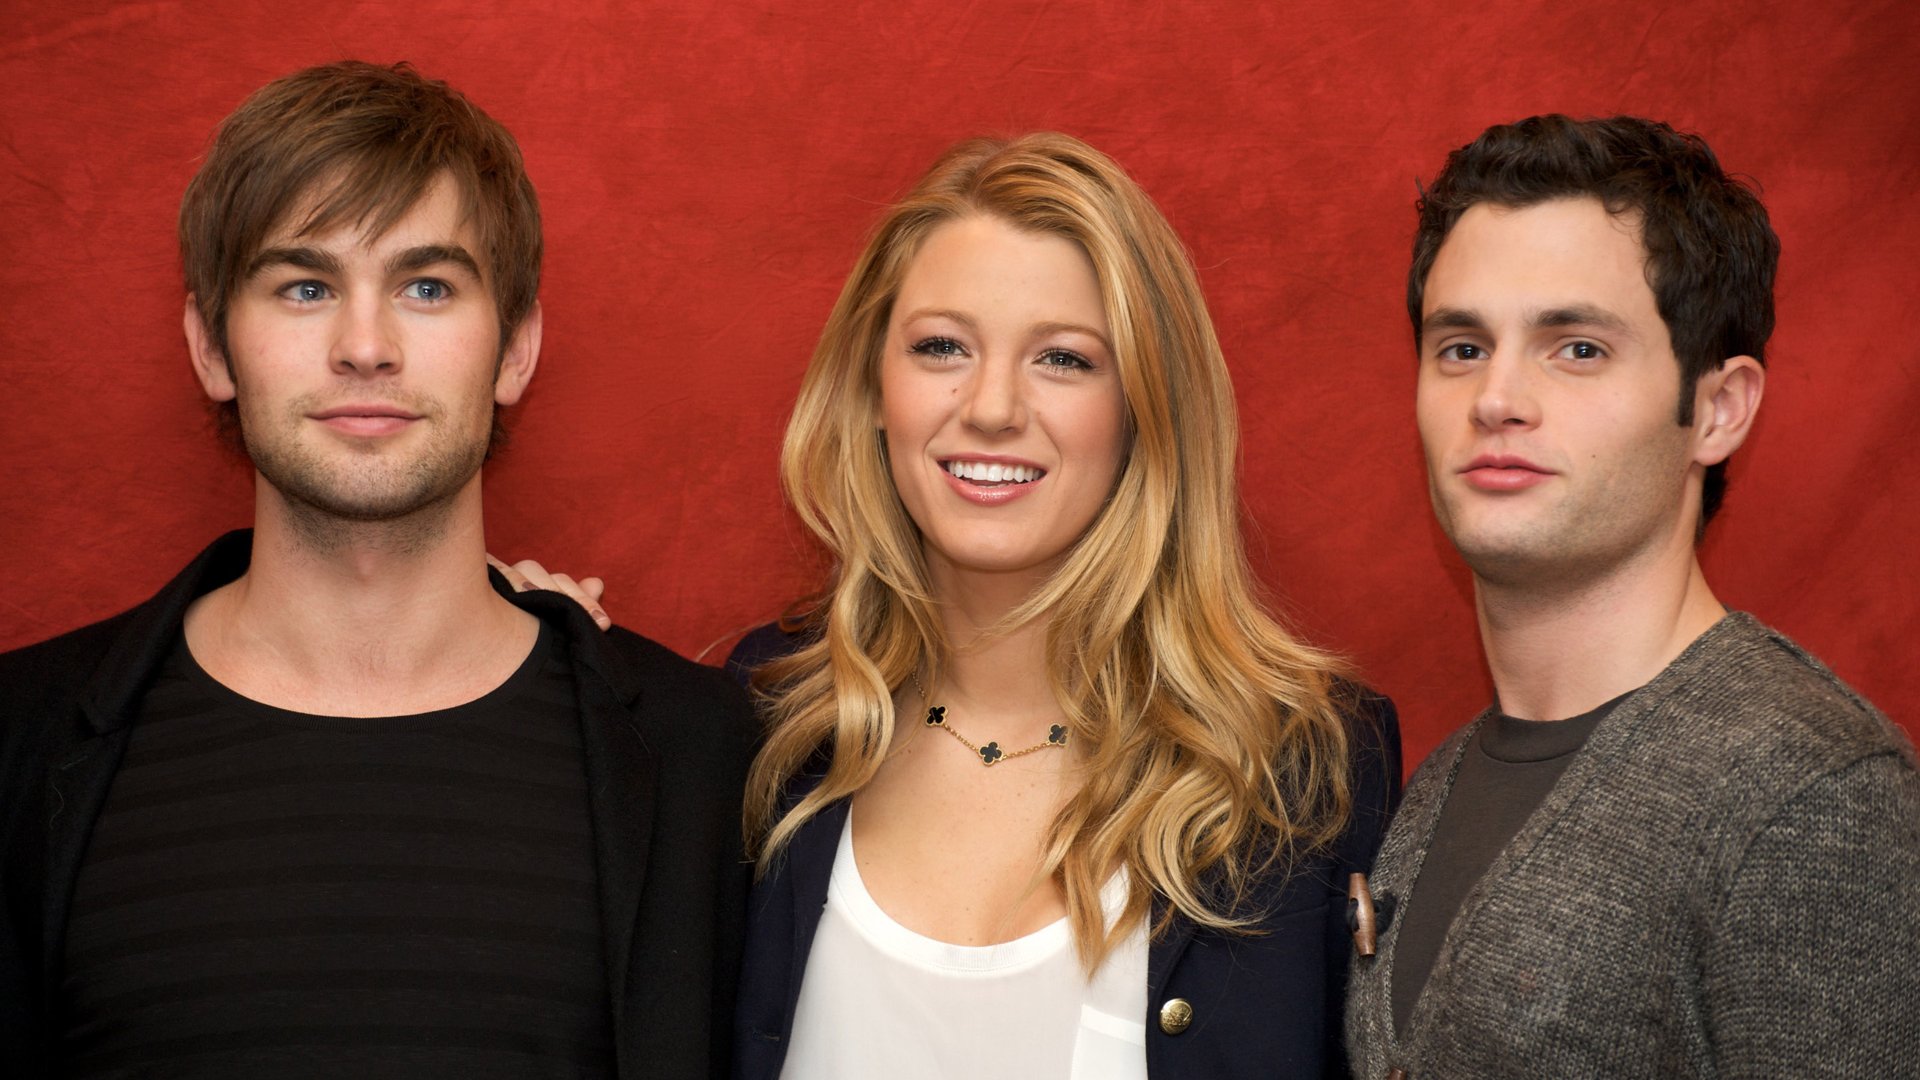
[810,857]
[77,786]
[621,780]
[1163,956]
[80,774]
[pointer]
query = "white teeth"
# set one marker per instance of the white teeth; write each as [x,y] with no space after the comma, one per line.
[983,472]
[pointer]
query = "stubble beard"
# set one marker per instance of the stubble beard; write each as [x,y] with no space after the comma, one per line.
[365,497]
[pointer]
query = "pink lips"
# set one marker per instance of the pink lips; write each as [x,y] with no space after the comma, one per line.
[1503,472]
[981,494]
[366,421]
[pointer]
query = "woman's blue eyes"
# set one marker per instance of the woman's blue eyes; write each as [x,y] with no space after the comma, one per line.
[946,347]
[938,346]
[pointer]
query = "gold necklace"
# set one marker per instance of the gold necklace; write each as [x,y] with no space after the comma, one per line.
[991,753]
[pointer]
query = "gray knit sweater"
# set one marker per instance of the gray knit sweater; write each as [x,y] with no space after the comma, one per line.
[1724,883]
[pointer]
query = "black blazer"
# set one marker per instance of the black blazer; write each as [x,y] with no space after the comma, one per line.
[667,745]
[1266,1006]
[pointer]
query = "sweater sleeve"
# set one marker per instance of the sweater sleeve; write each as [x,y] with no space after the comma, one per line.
[1814,968]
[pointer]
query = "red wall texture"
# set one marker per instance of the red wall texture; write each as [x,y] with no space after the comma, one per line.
[709,170]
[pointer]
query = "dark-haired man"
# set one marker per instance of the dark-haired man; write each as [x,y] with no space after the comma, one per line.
[331,804]
[1676,845]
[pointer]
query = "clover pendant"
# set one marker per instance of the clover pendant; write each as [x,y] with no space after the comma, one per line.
[990,753]
[1057,735]
[936,716]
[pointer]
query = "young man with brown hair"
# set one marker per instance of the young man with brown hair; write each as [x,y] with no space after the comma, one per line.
[1676,845]
[332,803]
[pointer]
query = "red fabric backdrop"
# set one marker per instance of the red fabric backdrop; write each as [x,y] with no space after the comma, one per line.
[708,172]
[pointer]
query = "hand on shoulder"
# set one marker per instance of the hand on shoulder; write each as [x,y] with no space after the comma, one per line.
[528,574]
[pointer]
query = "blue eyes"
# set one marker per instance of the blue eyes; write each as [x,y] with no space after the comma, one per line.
[937,346]
[427,289]
[424,290]
[946,348]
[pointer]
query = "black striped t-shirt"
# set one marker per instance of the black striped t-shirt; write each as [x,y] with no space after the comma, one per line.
[269,893]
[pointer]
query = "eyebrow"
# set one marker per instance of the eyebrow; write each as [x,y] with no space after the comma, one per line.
[1045,328]
[303,258]
[1451,319]
[941,313]
[1577,315]
[406,261]
[419,258]
[1544,319]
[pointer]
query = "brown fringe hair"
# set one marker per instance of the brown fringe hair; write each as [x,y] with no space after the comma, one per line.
[357,143]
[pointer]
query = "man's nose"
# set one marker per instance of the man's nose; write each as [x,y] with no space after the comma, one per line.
[366,341]
[1505,396]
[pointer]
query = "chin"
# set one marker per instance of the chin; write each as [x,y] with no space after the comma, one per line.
[369,492]
[1499,554]
[976,559]
[1544,564]
[997,564]
[374,506]
[1509,566]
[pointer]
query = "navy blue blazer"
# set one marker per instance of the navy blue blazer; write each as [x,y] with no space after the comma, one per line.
[1265,1005]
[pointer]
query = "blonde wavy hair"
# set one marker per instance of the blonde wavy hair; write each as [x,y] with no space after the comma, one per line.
[1213,739]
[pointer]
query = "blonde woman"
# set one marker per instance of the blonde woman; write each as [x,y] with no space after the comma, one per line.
[1046,791]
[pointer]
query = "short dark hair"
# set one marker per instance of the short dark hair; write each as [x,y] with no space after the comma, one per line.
[1711,253]
[366,141]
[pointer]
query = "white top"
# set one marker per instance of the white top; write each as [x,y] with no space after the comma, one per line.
[880,1000]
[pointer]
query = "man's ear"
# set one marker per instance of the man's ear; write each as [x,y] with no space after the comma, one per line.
[209,362]
[1725,404]
[518,359]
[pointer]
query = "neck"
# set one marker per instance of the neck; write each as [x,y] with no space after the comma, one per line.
[1559,652]
[361,618]
[997,685]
